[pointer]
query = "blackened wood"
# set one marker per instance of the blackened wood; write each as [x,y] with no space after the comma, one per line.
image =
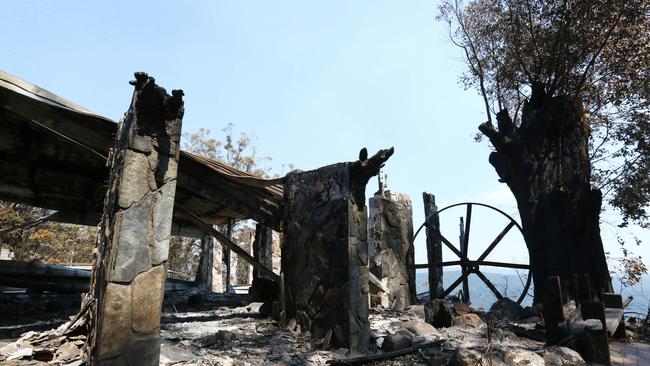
[455,284]
[383,356]
[489,284]
[473,263]
[434,246]
[464,249]
[496,241]
[613,300]
[228,243]
[553,311]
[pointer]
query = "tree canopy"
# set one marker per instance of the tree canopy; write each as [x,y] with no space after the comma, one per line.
[597,51]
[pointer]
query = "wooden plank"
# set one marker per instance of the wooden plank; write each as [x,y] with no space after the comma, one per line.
[223,239]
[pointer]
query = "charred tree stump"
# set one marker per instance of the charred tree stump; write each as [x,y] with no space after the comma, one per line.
[128,279]
[325,250]
[390,248]
[545,163]
[554,312]
[434,246]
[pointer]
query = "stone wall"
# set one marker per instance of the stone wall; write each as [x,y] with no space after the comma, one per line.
[129,274]
[390,232]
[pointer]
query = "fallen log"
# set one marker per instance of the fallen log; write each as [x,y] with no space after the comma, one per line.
[382,356]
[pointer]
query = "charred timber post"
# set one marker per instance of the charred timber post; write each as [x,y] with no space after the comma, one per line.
[434,246]
[325,250]
[128,279]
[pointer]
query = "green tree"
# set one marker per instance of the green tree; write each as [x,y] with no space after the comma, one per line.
[568,82]
[48,242]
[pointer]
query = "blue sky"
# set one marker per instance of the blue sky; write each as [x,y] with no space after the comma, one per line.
[313,81]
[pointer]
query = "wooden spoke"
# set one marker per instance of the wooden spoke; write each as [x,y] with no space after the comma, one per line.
[496,241]
[455,284]
[468,220]
[488,283]
[449,245]
[525,291]
[506,265]
[436,265]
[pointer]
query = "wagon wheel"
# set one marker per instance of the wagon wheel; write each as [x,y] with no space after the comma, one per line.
[467,265]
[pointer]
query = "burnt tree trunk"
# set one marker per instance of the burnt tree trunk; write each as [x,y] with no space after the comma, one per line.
[545,162]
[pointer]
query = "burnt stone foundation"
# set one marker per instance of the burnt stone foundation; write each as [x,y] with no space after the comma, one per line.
[325,250]
[391,252]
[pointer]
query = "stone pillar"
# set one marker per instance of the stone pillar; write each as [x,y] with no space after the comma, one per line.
[242,268]
[227,255]
[392,256]
[266,249]
[211,267]
[128,280]
[325,250]
[217,267]
[234,264]
[276,252]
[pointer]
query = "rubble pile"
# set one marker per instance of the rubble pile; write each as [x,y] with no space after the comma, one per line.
[199,328]
[60,346]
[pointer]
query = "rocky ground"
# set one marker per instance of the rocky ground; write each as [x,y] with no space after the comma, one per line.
[213,329]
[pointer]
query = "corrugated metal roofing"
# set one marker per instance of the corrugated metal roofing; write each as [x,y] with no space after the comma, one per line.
[68,174]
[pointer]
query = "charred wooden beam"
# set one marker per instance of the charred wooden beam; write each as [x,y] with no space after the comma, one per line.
[228,243]
[434,246]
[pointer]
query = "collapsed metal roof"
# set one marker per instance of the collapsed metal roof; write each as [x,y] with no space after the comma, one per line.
[53,155]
